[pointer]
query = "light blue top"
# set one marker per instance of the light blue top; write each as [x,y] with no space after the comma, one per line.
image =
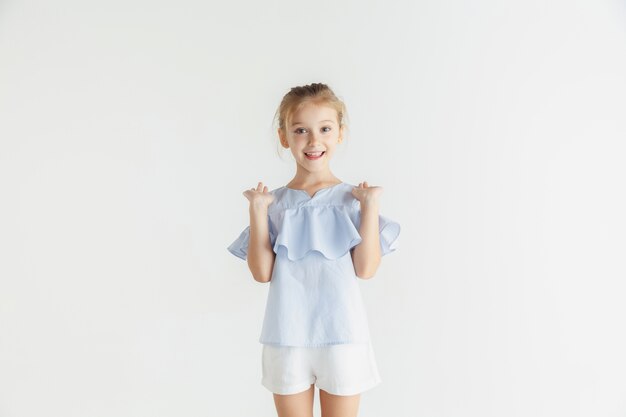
[314,298]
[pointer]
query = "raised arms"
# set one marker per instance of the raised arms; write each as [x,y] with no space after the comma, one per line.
[260,253]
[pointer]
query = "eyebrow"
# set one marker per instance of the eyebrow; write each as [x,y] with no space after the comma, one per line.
[299,123]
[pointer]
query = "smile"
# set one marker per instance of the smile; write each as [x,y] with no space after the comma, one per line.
[314,155]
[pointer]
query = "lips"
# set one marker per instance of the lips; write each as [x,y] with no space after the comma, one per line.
[314,155]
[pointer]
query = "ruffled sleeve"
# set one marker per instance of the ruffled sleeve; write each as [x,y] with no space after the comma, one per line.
[388,229]
[239,247]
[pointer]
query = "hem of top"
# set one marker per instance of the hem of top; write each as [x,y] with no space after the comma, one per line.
[319,344]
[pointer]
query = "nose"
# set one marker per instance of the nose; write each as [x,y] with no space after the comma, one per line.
[313,138]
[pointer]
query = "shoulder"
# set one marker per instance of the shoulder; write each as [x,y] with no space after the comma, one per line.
[344,197]
[279,195]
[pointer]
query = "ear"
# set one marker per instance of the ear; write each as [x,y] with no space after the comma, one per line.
[283,139]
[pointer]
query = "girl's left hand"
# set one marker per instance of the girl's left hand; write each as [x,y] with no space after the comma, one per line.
[365,193]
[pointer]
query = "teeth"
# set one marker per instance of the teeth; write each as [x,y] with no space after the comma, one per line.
[314,153]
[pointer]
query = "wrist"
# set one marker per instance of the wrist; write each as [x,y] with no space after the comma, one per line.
[368,203]
[258,208]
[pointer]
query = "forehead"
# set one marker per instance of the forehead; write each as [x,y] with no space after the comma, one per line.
[312,113]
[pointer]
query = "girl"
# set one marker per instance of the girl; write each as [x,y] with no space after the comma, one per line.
[311,239]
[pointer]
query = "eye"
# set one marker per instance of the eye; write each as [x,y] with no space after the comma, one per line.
[298,130]
[327,127]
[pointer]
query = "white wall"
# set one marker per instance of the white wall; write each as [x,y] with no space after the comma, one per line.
[129,130]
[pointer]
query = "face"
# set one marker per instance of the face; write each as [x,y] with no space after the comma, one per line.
[313,128]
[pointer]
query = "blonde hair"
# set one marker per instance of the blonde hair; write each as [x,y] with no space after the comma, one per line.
[315,93]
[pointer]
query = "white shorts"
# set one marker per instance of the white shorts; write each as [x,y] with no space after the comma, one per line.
[344,369]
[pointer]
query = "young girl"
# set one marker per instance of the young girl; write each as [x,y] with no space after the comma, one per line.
[311,240]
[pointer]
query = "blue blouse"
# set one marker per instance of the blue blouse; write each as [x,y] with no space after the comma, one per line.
[314,298]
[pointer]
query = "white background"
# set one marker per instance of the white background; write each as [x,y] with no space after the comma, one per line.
[130,129]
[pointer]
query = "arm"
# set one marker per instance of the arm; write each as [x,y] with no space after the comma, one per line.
[260,253]
[366,255]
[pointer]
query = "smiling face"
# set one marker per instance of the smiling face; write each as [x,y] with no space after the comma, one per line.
[313,128]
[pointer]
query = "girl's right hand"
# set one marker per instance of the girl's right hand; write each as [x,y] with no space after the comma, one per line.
[259,197]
